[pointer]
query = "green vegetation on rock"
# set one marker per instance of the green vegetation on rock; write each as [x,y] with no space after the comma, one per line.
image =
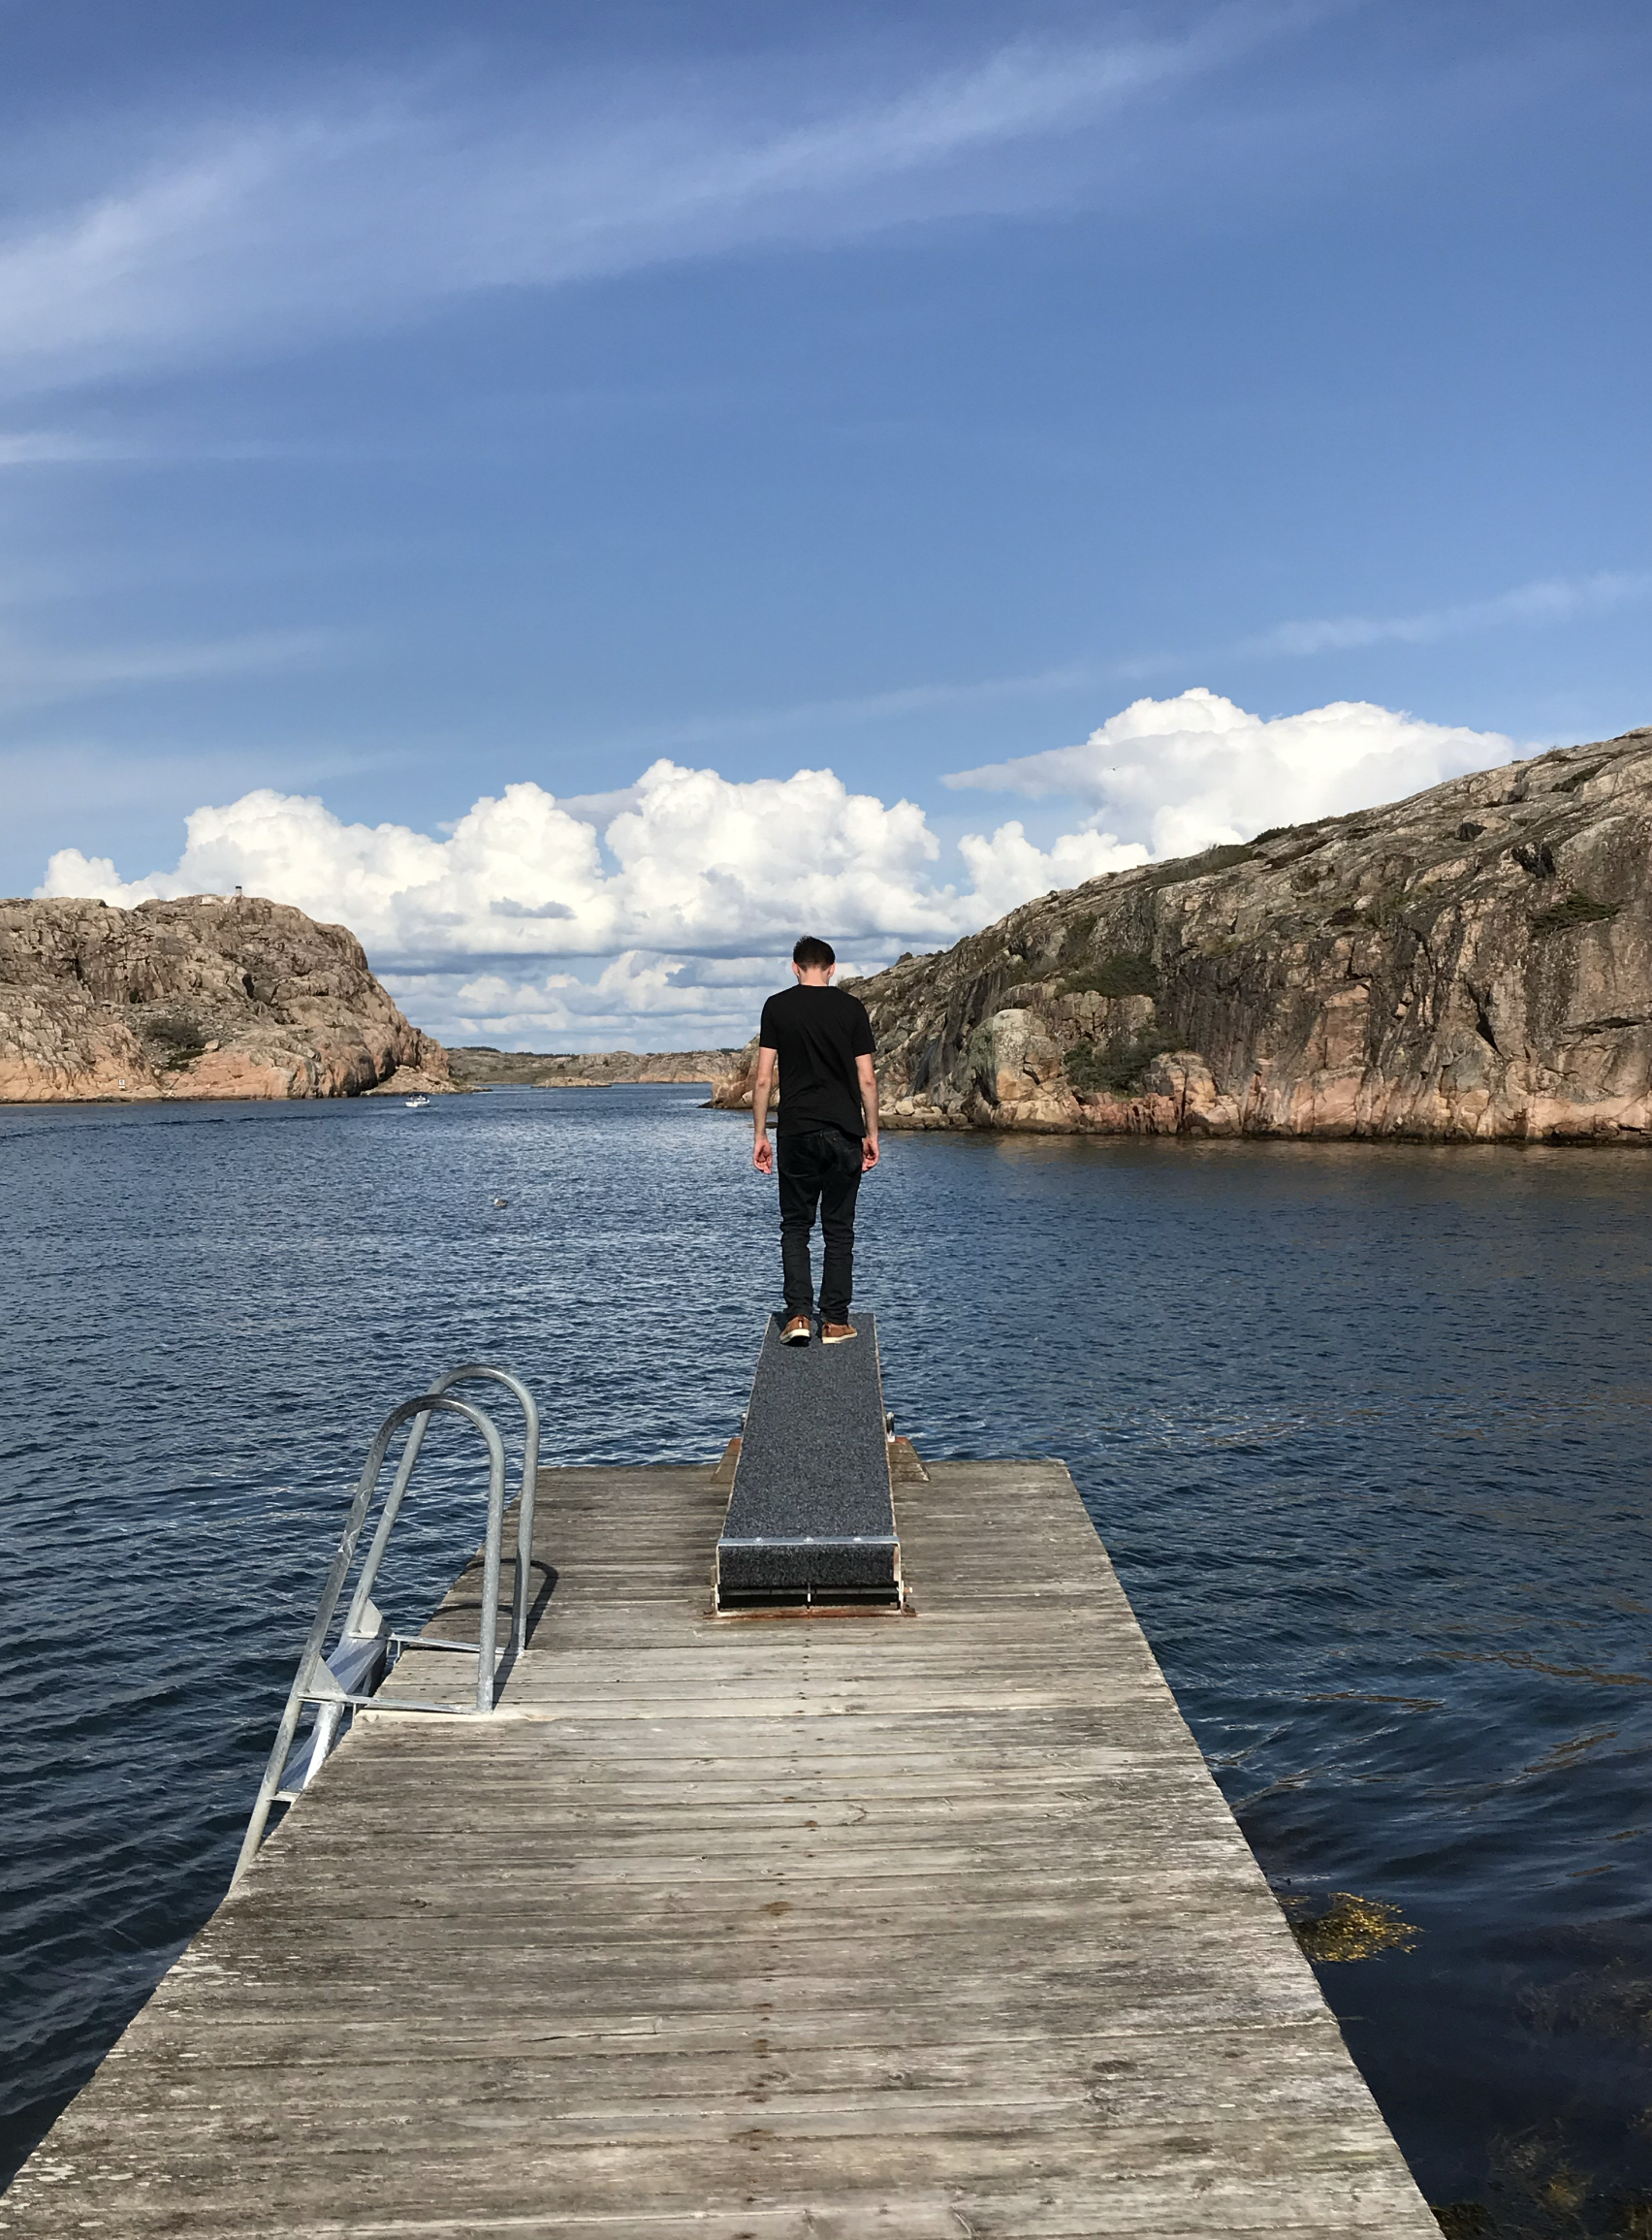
[1205,866]
[1077,940]
[1115,1068]
[1578,908]
[1119,976]
[178,1036]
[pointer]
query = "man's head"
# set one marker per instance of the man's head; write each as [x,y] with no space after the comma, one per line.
[813,962]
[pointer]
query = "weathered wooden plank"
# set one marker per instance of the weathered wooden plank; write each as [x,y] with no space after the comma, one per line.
[755,1928]
[1145,2070]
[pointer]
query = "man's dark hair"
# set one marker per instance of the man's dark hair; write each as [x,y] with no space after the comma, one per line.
[812,952]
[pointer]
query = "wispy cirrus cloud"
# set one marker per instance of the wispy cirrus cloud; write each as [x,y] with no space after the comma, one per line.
[358,213]
[34,676]
[1552,599]
[851,709]
[57,447]
[1549,599]
[68,447]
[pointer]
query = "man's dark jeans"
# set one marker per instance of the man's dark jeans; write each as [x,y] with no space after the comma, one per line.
[818,1170]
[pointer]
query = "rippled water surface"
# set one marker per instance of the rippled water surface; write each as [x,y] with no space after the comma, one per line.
[1364,1429]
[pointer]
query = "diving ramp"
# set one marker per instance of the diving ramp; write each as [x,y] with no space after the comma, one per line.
[811,1518]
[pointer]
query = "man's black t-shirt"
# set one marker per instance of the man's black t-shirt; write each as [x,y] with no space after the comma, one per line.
[818,1033]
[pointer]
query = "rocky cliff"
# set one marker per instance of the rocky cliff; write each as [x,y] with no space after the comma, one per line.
[207,997]
[1473,963]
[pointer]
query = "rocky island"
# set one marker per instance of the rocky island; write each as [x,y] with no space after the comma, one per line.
[1474,963]
[206,997]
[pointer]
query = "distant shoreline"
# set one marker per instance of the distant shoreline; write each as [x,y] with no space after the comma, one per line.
[476,1066]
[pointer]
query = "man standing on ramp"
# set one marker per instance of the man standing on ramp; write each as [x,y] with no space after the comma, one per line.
[828,1133]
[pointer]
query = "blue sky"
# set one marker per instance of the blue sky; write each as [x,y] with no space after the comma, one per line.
[401,404]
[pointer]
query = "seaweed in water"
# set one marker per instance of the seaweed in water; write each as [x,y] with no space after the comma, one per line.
[1613,2001]
[1536,2189]
[1350,1928]
[1539,2191]
[1461,2219]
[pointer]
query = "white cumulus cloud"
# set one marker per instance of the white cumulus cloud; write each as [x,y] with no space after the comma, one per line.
[1009,869]
[635,1001]
[658,916]
[691,864]
[1185,773]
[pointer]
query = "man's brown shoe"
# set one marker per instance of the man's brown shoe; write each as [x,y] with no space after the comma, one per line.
[837,1333]
[796,1332]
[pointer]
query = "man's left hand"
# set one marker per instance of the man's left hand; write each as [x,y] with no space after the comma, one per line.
[868,1153]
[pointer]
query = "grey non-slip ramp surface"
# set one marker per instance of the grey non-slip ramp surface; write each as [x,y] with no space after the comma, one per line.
[810,1518]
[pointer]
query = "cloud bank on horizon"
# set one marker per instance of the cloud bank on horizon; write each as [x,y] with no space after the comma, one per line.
[688,897]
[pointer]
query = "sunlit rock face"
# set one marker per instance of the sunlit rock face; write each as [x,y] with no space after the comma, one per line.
[1474,963]
[206,997]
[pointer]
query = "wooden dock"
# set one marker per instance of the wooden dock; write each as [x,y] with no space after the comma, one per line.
[751,1928]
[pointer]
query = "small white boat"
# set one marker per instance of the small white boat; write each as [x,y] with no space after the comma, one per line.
[417,1103]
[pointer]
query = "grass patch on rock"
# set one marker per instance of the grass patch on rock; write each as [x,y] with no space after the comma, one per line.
[1115,1068]
[180,1039]
[1578,909]
[1119,976]
[1077,940]
[1182,867]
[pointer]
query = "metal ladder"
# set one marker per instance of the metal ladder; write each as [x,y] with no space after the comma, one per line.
[346,1677]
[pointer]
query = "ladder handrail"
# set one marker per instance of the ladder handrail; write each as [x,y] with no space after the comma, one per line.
[311,1683]
[468,1372]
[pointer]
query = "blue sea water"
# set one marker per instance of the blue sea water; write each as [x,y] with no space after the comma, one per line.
[1364,1428]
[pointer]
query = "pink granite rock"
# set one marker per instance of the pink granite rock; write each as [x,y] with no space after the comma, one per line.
[1474,963]
[204,997]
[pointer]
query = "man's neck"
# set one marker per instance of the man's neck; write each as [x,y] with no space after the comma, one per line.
[820,977]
